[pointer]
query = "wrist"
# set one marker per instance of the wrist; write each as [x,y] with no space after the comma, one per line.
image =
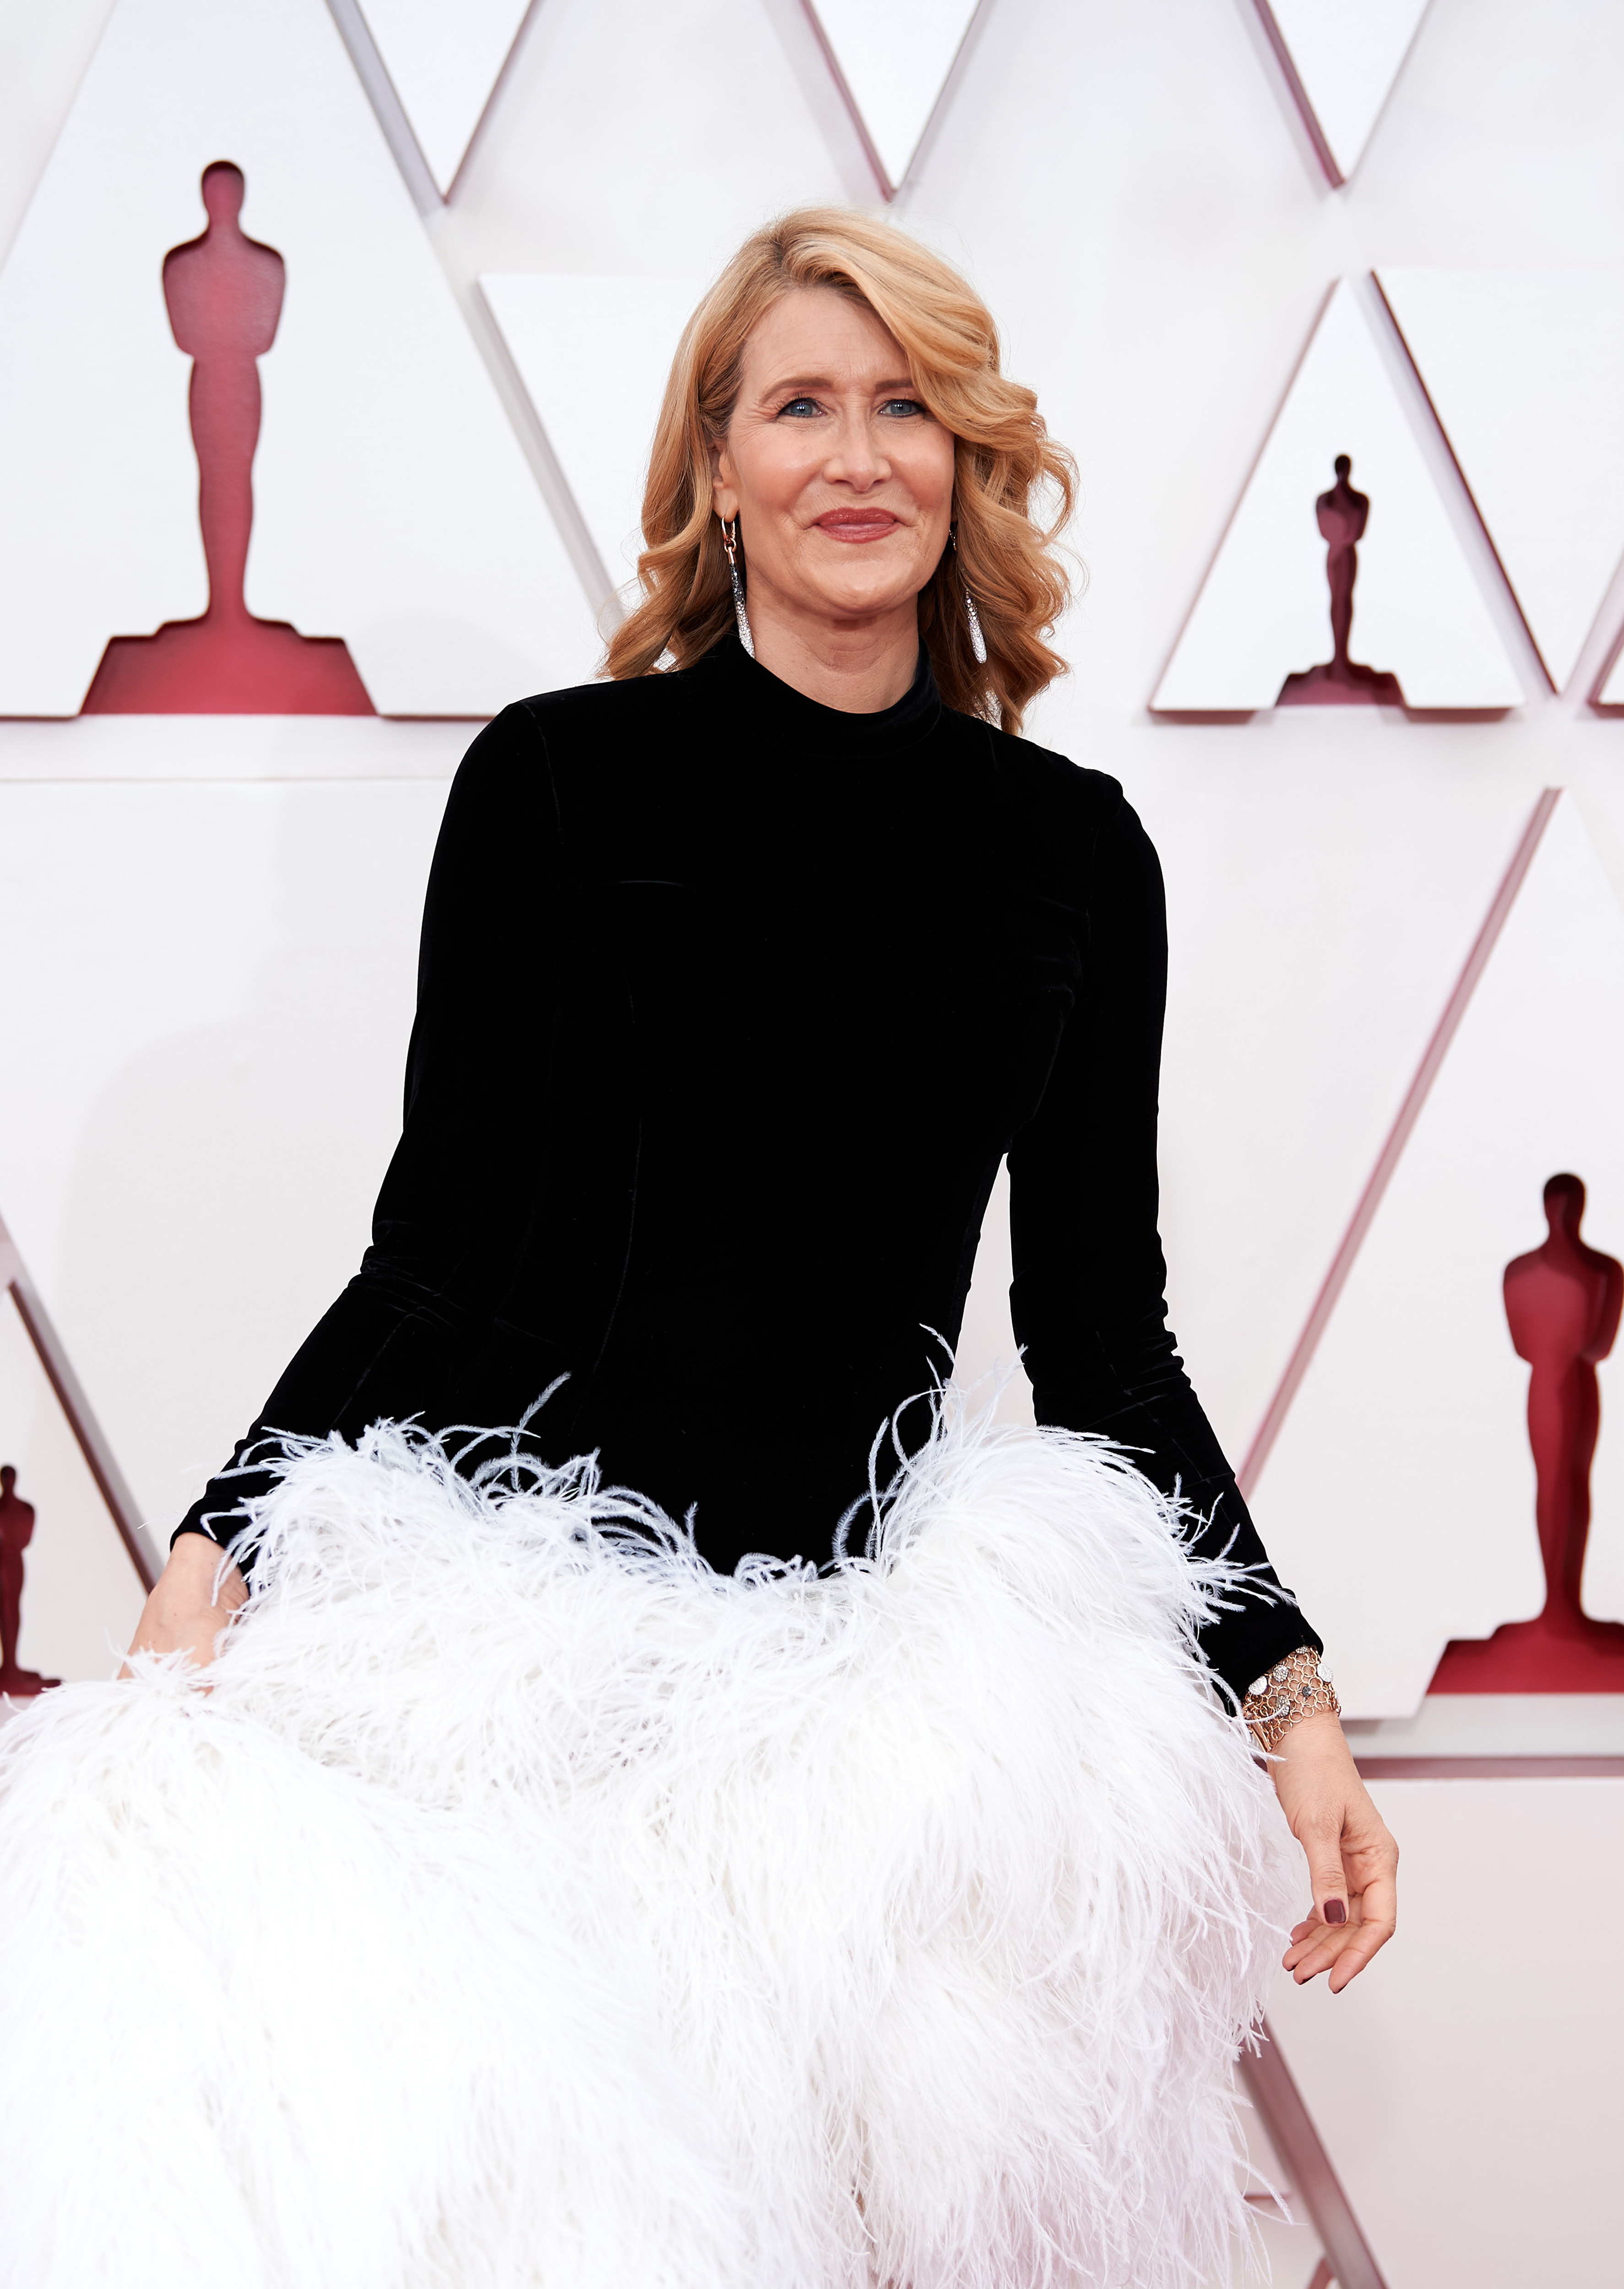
[1297,1688]
[195,1564]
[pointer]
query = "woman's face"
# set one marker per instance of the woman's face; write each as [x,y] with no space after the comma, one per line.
[840,481]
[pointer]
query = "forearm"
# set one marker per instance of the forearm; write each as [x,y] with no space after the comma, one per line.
[1126,1383]
[390,1344]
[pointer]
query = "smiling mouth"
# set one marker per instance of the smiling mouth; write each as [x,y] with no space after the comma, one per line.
[858,523]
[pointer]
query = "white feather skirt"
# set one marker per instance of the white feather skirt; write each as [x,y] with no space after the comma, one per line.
[523,1903]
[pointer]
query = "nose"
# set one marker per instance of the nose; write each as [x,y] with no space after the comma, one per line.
[858,458]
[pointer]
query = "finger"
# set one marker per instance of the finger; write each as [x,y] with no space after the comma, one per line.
[1315,1933]
[1365,1939]
[1306,1961]
[1379,1900]
[1315,1945]
[1314,1929]
[1370,1860]
[1343,1952]
[1322,1844]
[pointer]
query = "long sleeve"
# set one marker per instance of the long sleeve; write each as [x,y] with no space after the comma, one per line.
[455,1203]
[1088,1296]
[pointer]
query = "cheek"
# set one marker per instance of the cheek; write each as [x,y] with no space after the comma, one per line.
[775,465]
[929,468]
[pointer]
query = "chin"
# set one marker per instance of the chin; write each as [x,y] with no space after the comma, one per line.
[871,604]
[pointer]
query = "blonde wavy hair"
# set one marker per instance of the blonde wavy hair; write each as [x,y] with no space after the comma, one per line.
[1007,473]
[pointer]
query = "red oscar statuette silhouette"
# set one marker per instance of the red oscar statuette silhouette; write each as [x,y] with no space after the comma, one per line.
[16,1533]
[224,296]
[1562,1302]
[1341,681]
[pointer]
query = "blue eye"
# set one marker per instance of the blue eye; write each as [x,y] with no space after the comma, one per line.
[907,406]
[800,407]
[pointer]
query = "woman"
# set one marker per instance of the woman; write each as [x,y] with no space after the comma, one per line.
[664,1909]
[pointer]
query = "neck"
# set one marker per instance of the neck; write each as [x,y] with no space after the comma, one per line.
[860,667]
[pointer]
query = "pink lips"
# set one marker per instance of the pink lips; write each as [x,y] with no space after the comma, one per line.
[857,523]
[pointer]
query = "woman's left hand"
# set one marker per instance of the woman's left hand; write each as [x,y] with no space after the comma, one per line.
[1353,1859]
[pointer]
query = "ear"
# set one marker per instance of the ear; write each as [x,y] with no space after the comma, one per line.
[723,491]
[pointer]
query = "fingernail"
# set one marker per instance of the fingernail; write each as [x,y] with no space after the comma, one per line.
[1334,1912]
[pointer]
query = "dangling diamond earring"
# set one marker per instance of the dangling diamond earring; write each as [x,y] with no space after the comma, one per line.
[978,642]
[729,542]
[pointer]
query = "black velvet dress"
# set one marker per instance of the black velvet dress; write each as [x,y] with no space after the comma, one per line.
[730,1005]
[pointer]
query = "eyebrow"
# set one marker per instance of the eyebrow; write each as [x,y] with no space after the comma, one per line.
[905,387]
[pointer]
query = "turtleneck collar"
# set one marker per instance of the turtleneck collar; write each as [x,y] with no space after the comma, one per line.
[782,713]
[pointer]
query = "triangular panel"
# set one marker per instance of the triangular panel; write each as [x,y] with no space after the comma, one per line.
[1523,369]
[1341,58]
[599,424]
[393,505]
[1263,614]
[443,60]
[1405,1457]
[893,58]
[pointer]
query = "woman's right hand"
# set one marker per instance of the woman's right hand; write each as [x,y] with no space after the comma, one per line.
[193,1600]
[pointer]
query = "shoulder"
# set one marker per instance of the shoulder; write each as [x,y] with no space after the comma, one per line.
[1072,811]
[622,734]
[519,763]
[596,719]
[603,712]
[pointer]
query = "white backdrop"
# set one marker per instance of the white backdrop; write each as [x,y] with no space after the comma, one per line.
[206,926]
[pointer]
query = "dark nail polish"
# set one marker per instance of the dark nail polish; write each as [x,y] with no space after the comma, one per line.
[1334,1912]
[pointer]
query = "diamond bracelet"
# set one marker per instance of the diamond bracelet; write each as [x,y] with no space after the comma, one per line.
[1296,1687]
